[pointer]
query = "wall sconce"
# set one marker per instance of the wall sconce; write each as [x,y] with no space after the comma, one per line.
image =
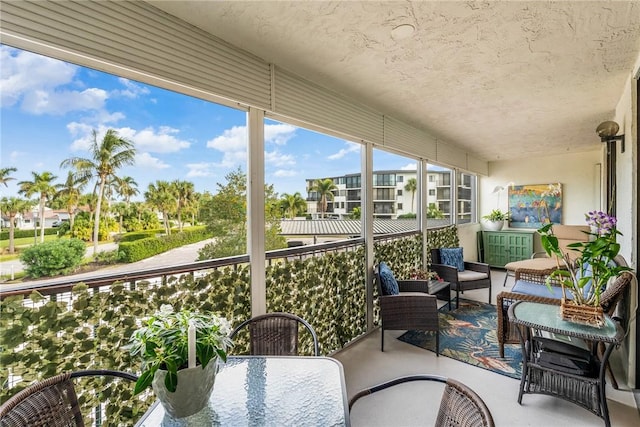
[607,132]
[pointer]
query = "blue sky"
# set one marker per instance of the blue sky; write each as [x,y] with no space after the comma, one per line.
[50,108]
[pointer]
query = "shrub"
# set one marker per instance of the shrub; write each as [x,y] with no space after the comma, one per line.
[53,258]
[145,248]
[18,234]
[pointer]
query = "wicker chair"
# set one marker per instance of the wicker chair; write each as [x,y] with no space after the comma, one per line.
[52,402]
[460,406]
[477,275]
[412,309]
[507,333]
[276,334]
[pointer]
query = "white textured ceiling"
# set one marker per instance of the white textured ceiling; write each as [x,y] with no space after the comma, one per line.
[504,80]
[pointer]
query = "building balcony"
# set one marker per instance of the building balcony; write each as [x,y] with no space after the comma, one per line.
[62,325]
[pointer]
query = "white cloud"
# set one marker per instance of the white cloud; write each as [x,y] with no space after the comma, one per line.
[146,160]
[284,173]
[132,90]
[42,101]
[351,147]
[13,156]
[278,159]
[161,140]
[234,139]
[31,81]
[410,167]
[200,169]
[279,134]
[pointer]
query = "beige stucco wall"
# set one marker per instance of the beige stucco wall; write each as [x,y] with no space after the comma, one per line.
[579,174]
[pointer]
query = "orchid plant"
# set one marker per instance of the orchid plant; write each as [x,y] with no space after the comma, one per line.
[587,275]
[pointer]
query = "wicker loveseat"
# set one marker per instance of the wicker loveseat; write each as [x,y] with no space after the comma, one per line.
[529,279]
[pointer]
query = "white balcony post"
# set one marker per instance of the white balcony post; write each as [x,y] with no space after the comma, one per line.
[255,211]
[366,218]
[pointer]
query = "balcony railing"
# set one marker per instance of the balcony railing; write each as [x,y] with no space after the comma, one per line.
[66,326]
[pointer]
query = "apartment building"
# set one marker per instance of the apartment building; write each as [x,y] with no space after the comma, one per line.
[393,195]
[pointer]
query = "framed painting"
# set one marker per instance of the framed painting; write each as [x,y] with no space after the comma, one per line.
[532,206]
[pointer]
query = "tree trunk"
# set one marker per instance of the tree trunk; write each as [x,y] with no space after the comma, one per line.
[96,221]
[12,228]
[42,201]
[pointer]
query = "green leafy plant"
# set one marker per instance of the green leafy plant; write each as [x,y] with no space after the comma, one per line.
[587,275]
[162,343]
[496,215]
[53,258]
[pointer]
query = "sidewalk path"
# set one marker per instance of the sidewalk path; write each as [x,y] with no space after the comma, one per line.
[181,255]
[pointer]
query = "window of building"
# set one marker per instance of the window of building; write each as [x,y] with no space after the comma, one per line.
[399,206]
[399,192]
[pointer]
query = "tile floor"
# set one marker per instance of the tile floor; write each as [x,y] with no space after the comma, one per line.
[417,403]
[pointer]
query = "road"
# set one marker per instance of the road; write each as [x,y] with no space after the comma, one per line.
[181,255]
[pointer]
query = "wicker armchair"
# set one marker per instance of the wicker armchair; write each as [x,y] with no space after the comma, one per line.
[507,333]
[412,309]
[52,402]
[276,334]
[460,406]
[477,275]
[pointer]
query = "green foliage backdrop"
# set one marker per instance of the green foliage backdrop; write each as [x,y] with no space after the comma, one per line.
[87,328]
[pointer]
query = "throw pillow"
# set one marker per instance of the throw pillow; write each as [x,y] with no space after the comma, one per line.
[388,282]
[452,257]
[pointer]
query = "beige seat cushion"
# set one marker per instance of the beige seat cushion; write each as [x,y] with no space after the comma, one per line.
[532,264]
[568,234]
[469,275]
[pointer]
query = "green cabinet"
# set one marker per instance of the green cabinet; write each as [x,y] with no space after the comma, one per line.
[502,247]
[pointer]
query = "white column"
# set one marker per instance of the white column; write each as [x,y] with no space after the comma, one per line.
[366,218]
[255,211]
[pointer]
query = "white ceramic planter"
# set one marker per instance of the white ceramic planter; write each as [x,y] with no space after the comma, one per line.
[192,393]
[492,225]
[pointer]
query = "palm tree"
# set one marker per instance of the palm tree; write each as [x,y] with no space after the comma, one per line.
[4,175]
[109,155]
[185,193]
[161,196]
[293,204]
[412,186]
[70,192]
[126,187]
[42,185]
[324,188]
[12,207]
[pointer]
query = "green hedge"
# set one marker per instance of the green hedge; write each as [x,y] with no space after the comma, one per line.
[18,234]
[138,235]
[150,246]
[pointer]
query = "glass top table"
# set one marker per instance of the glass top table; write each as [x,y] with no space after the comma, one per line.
[586,390]
[269,390]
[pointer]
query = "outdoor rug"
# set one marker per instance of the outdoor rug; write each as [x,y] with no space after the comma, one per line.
[468,334]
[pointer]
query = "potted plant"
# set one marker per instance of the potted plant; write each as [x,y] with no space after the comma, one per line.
[179,351]
[494,221]
[587,275]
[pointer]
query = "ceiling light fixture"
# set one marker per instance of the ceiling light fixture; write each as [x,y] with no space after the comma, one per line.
[402,31]
[607,132]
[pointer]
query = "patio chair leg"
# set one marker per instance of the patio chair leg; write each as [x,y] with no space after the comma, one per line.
[437,343]
[382,339]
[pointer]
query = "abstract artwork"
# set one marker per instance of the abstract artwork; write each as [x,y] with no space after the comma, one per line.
[532,206]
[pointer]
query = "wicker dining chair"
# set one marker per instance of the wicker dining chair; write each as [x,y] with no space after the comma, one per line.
[276,334]
[52,402]
[460,406]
